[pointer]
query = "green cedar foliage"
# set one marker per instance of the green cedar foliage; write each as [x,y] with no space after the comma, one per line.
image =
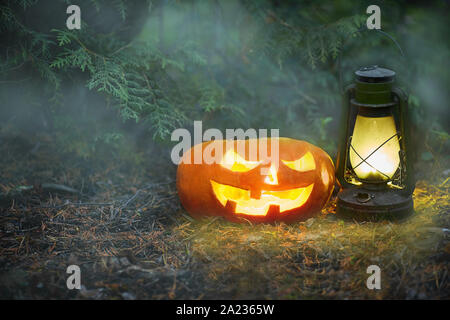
[237,63]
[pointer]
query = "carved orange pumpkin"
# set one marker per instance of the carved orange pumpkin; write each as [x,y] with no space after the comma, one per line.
[299,186]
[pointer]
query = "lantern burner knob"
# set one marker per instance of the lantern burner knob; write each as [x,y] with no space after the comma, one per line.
[363,197]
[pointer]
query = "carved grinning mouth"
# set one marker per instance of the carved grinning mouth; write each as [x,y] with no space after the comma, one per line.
[285,200]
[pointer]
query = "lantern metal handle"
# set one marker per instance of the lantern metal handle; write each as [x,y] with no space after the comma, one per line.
[409,155]
[343,141]
[387,35]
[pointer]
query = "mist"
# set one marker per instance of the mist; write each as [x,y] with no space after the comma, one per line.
[236,68]
[87,180]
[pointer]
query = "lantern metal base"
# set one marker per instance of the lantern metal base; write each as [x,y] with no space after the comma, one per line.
[363,204]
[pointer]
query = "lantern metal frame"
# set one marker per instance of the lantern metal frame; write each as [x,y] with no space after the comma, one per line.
[362,199]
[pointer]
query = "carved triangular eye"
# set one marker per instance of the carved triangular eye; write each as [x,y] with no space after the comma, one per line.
[305,163]
[234,162]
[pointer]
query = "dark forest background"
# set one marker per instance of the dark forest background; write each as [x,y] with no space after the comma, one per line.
[85,123]
[139,69]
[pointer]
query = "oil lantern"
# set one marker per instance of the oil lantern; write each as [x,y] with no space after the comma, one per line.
[374,164]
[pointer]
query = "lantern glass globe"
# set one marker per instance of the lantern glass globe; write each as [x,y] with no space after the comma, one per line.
[369,142]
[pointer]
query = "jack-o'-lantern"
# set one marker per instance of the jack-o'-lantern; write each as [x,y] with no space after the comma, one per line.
[295,187]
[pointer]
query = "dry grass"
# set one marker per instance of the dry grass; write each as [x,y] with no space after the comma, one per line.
[133,240]
[325,257]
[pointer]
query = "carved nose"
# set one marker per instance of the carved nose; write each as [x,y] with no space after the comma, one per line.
[271,177]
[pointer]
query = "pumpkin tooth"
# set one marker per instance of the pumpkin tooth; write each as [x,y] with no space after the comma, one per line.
[231,206]
[274,210]
[255,194]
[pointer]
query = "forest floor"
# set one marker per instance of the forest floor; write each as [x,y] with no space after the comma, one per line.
[130,236]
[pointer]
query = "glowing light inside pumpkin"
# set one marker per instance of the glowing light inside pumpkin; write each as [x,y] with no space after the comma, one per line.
[286,199]
[368,135]
[234,162]
[305,163]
